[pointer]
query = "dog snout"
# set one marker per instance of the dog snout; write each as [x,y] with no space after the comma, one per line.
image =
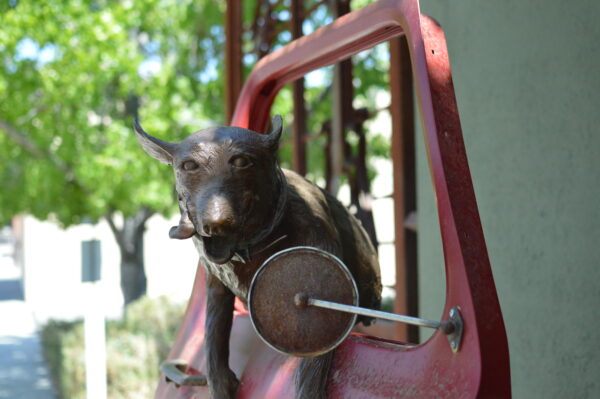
[217,218]
[218,226]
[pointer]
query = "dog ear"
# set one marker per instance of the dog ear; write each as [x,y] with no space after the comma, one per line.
[185,228]
[272,139]
[156,148]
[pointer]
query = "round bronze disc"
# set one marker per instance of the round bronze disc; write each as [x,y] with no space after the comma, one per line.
[297,330]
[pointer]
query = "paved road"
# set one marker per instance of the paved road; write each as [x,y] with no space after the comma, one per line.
[23,374]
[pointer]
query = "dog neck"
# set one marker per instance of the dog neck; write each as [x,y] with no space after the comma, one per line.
[263,240]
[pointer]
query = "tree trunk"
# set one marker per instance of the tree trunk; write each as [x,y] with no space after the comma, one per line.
[130,239]
[133,274]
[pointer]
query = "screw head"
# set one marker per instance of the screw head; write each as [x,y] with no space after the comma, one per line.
[301,300]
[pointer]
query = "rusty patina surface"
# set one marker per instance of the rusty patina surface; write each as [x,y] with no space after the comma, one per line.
[288,326]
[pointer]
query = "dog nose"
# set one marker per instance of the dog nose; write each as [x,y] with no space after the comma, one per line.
[216,226]
[217,216]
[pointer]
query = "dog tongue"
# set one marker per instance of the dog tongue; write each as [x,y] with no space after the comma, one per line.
[218,249]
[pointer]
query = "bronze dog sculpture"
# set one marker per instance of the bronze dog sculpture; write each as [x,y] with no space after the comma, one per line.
[240,207]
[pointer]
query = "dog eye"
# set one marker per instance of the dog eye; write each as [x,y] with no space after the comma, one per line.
[240,162]
[189,165]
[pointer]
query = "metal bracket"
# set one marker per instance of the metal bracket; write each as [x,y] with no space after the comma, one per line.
[456,332]
[174,372]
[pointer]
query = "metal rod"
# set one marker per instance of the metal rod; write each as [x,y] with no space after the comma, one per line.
[404,178]
[233,56]
[299,110]
[446,327]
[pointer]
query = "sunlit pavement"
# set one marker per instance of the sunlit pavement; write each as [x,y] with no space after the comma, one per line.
[23,373]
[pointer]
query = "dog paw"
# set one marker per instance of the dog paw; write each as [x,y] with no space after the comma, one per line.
[224,385]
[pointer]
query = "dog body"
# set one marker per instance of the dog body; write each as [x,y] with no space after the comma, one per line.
[239,208]
[310,217]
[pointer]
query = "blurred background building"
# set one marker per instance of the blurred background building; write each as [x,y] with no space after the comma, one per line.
[49,260]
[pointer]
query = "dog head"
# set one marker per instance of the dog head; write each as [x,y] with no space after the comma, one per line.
[229,185]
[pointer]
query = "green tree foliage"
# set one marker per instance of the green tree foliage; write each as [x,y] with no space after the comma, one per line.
[72,74]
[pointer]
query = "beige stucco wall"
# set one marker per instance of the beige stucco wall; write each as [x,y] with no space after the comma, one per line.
[527,79]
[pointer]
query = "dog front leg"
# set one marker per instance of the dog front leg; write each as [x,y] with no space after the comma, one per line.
[222,382]
[312,375]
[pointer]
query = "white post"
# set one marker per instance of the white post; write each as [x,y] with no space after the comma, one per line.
[95,343]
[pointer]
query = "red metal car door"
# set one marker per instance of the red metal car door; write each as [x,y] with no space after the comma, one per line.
[367,367]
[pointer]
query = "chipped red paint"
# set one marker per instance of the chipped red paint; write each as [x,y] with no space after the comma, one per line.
[363,366]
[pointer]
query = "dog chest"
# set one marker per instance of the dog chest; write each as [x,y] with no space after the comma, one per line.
[229,278]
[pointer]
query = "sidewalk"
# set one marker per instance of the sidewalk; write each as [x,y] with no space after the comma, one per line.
[23,373]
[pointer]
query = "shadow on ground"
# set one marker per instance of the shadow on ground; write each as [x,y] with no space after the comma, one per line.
[22,371]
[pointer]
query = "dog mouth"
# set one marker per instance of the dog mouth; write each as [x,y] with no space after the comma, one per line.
[219,249]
